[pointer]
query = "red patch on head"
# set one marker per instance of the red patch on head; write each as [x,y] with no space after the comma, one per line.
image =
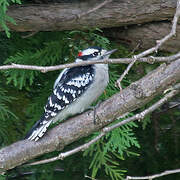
[80,54]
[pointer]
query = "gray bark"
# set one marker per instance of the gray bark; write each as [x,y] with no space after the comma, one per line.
[146,35]
[145,21]
[136,95]
[63,16]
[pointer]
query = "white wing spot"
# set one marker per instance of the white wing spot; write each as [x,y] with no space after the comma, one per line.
[50,102]
[53,114]
[55,91]
[65,99]
[40,131]
[58,96]
[68,90]
[79,81]
[57,106]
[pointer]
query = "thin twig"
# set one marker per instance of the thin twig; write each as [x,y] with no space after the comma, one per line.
[105,130]
[86,176]
[155,48]
[26,173]
[45,69]
[95,8]
[132,52]
[89,11]
[30,34]
[174,105]
[118,82]
[155,175]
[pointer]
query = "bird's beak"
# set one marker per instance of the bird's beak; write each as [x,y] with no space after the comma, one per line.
[108,53]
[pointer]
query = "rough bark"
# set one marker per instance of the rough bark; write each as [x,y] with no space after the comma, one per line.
[63,16]
[143,20]
[145,36]
[131,98]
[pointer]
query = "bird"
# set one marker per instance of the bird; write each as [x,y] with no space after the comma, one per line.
[75,89]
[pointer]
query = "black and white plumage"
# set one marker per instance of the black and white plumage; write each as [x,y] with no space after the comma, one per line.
[74,90]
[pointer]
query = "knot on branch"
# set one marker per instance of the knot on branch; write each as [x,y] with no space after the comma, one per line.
[151,60]
[137,90]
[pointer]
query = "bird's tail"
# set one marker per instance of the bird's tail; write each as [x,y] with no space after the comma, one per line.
[38,130]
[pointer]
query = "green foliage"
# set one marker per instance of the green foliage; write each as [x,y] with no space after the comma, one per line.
[102,159]
[84,39]
[49,53]
[146,121]
[110,149]
[57,48]
[2,177]
[4,17]
[6,116]
[45,56]
[120,139]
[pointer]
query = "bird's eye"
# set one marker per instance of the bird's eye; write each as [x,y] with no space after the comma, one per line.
[95,53]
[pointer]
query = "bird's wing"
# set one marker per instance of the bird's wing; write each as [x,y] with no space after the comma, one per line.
[71,85]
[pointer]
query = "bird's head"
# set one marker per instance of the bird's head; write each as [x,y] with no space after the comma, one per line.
[94,53]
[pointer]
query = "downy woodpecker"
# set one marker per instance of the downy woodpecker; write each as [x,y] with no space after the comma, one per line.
[74,90]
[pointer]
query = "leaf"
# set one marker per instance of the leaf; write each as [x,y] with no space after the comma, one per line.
[6,116]
[4,17]
[2,177]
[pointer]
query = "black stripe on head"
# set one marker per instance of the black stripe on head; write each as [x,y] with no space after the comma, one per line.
[86,57]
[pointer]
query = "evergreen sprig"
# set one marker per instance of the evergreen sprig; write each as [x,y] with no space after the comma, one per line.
[49,55]
[7,117]
[116,142]
[120,139]
[3,14]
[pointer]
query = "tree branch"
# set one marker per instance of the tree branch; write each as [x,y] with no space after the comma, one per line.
[105,130]
[136,95]
[155,175]
[76,16]
[145,35]
[61,16]
[44,69]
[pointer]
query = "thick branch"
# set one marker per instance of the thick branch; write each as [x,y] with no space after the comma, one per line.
[63,16]
[105,130]
[131,98]
[145,35]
